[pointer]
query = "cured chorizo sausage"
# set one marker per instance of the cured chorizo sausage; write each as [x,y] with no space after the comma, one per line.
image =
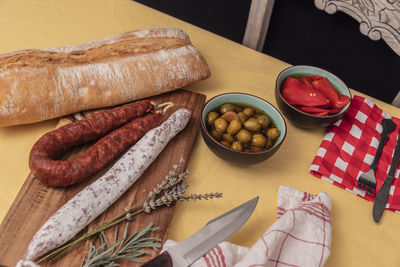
[43,159]
[94,199]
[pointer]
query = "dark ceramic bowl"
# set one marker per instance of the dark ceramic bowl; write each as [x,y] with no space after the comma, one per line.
[232,155]
[303,119]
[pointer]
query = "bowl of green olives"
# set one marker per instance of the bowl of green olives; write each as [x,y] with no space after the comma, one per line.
[242,128]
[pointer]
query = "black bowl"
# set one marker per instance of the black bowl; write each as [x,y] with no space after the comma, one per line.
[303,119]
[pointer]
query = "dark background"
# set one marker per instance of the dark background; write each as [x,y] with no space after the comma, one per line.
[299,33]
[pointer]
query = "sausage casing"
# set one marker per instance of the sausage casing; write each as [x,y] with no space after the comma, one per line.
[43,159]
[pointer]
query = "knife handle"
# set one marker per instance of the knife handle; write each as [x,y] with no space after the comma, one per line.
[161,260]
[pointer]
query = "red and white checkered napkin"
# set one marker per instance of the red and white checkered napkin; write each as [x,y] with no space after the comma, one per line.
[300,237]
[348,150]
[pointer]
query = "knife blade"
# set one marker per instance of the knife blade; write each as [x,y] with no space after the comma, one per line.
[383,194]
[197,245]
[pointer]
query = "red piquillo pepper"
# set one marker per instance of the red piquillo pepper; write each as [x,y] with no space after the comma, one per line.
[304,80]
[297,93]
[319,110]
[336,100]
[314,95]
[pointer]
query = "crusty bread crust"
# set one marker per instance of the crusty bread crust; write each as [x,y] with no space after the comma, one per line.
[36,85]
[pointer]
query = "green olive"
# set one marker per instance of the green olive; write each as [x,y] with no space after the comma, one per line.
[225,143]
[248,111]
[212,116]
[230,116]
[226,107]
[264,121]
[255,149]
[216,135]
[273,133]
[242,117]
[258,140]
[220,125]
[243,136]
[234,127]
[229,138]
[252,125]
[237,146]
[269,143]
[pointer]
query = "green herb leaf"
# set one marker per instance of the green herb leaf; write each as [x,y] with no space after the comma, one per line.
[127,248]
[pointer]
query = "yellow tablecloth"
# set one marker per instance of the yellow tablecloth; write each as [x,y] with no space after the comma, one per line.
[357,240]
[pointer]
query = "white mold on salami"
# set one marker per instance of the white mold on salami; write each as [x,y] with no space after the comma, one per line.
[93,200]
[23,263]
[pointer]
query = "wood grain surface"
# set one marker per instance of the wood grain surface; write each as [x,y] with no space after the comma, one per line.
[36,202]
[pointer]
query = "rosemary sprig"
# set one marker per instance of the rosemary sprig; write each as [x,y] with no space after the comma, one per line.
[171,189]
[128,248]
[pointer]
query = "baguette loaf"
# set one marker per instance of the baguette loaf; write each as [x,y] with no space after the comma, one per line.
[36,85]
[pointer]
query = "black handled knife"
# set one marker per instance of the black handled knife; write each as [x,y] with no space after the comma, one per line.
[383,194]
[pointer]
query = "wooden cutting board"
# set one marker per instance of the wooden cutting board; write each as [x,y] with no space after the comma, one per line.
[36,202]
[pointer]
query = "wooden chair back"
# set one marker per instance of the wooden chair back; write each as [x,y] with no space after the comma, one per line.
[257,23]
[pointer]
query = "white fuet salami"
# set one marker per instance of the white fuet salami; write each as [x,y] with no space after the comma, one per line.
[94,199]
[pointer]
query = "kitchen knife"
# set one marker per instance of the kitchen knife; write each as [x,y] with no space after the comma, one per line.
[197,245]
[383,194]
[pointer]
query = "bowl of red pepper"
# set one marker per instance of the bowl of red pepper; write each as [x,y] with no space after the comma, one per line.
[311,97]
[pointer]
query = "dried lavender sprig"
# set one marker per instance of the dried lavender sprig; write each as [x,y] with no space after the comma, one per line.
[170,180]
[201,196]
[169,197]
